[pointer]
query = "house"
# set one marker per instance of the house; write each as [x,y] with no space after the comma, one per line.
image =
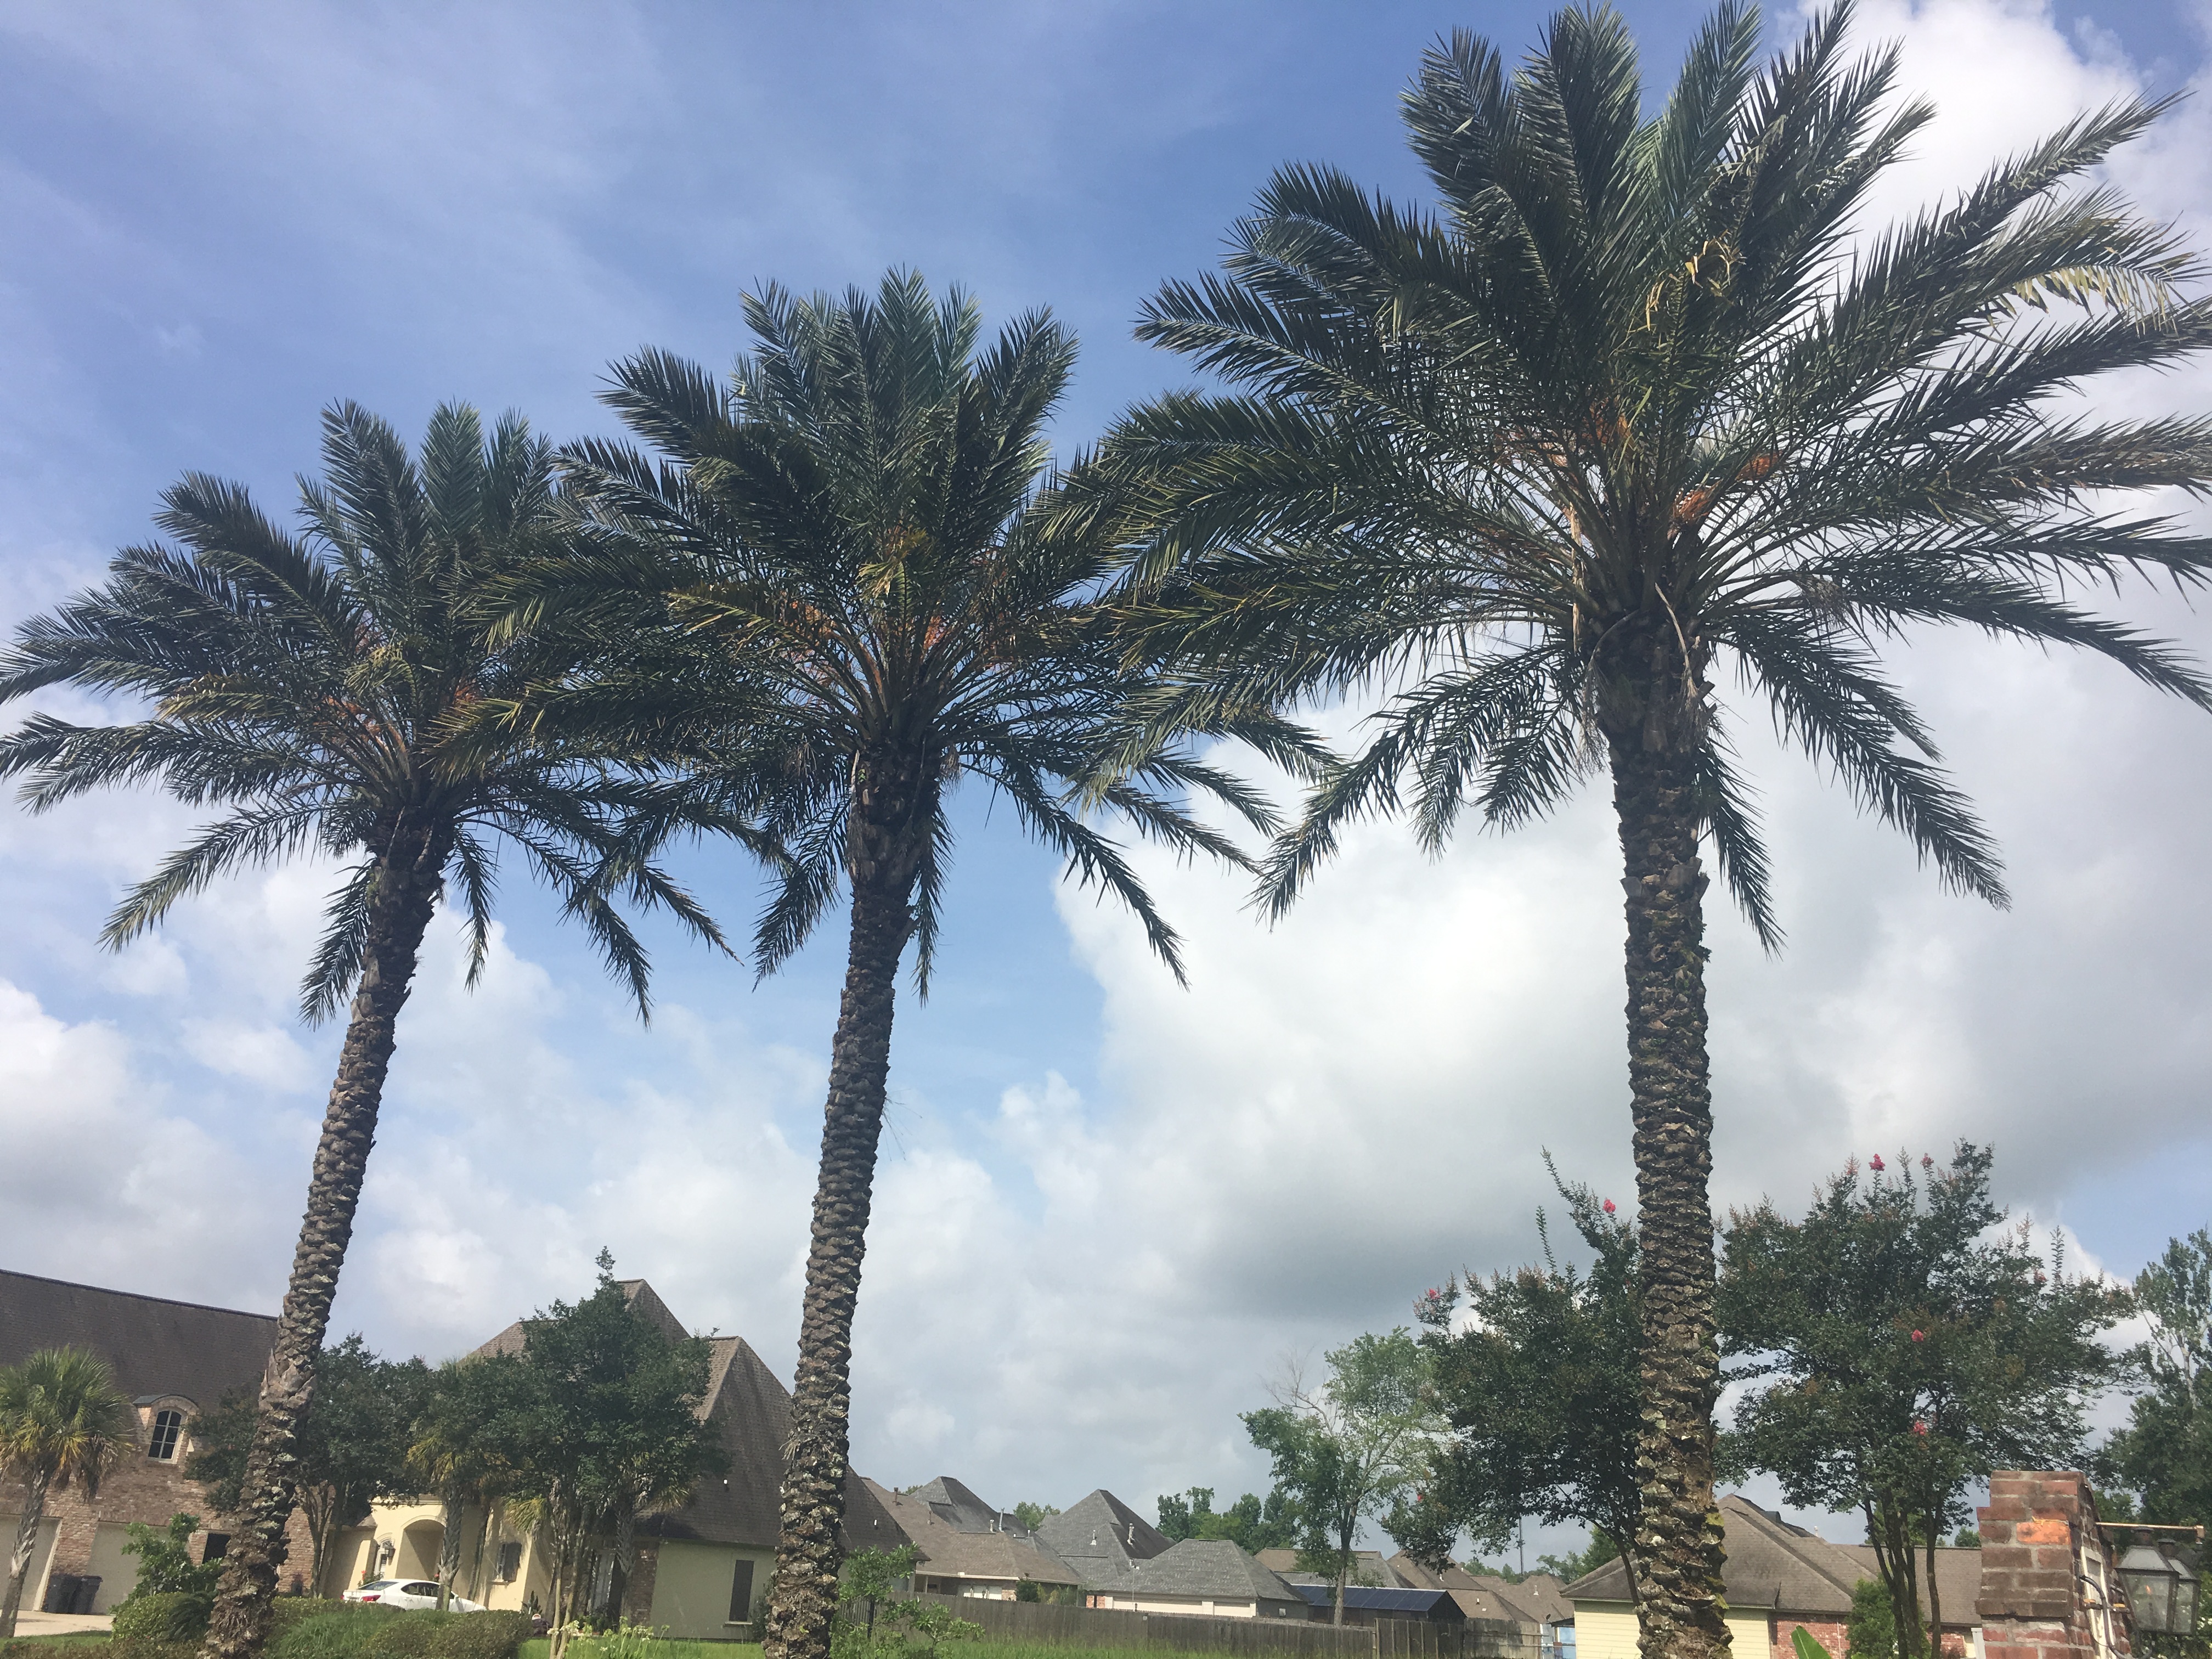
[1535,1599]
[1208,1576]
[1778,1578]
[701,1569]
[968,1547]
[174,1361]
[1100,1539]
[1370,1604]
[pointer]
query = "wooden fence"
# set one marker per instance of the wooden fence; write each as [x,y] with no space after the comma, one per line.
[1044,1624]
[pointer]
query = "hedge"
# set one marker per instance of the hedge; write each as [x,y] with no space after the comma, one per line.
[170,1627]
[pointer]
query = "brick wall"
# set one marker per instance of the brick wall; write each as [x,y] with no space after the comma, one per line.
[1832,1634]
[139,1488]
[2048,1575]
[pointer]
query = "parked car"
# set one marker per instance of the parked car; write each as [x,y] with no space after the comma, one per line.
[409,1593]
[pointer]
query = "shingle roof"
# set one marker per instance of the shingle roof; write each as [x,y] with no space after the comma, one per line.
[1772,1563]
[948,1551]
[1366,1563]
[1099,1537]
[1419,1603]
[1206,1568]
[152,1345]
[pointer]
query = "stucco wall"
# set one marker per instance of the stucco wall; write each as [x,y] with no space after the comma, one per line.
[691,1587]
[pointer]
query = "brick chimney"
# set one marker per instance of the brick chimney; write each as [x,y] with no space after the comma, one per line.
[2050,1582]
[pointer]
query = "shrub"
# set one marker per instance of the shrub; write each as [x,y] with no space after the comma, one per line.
[165,1560]
[354,1630]
[160,1624]
[480,1636]
[1874,1625]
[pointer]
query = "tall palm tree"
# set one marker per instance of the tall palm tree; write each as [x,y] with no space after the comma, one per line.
[1627,405]
[860,610]
[317,690]
[61,1421]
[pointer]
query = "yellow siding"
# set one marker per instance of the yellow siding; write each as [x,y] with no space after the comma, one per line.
[1606,1630]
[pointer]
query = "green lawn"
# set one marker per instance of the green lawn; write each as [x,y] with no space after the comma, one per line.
[585,1647]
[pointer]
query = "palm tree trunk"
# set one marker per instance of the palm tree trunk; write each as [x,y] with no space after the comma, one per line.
[804,1593]
[449,1548]
[26,1545]
[1678,1551]
[399,911]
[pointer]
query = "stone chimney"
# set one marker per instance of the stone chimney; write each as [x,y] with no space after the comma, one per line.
[2050,1587]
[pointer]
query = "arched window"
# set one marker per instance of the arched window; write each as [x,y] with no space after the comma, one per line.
[168,1429]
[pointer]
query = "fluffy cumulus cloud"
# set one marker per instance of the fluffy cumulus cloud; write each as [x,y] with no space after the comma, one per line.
[1077,1285]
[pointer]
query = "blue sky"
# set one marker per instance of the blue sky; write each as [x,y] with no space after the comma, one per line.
[1110,1208]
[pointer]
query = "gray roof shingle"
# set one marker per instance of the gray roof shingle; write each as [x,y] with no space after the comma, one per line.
[152,1345]
[1204,1569]
[1099,1537]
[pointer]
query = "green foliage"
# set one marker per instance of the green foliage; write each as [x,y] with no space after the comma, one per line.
[1350,1449]
[1593,1555]
[158,1620]
[1252,1523]
[356,1630]
[1541,1387]
[2164,1454]
[326,691]
[1900,1349]
[63,1421]
[1872,1629]
[630,1640]
[836,576]
[870,1625]
[1509,455]
[1032,1515]
[351,1446]
[165,1560]
[1802,1642]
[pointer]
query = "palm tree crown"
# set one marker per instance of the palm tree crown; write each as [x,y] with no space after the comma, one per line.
[858,602]
[1640,397]
[63,1422]
[1634,385]
[318,690]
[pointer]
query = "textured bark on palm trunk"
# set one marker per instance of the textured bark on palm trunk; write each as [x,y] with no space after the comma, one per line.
[1678,1545]
[26,1545]
[804,1597]
[407,891]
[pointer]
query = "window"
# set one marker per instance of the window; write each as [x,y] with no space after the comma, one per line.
[741,1594]
[217,1546]
[510,1562]
[168,1429]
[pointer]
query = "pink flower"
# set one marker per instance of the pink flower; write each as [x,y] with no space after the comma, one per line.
[1926,1162]
[1609,1206]
[1874,1162]
[2039,1277]
[1920,1336]
[1919,1427]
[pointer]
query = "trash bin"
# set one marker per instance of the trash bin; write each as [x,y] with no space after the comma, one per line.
[88,1592]
[61,1593]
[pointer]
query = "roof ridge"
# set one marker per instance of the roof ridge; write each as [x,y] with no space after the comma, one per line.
[137,1295]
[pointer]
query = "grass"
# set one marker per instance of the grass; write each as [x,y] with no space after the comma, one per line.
[585,1648]
[989,1649]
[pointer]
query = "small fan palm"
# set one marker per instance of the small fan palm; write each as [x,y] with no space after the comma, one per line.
[1628,406]
[63,1422]
[857,610]
[317,690]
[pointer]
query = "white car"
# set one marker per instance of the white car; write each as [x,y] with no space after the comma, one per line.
[409,1593]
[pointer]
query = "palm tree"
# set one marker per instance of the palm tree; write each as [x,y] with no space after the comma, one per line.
[860,610]
[61,1421]
[316,688]
[1629,404]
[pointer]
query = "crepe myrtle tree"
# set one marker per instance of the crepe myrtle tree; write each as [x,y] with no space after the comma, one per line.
[834,593]
[1640,404]
[315,690]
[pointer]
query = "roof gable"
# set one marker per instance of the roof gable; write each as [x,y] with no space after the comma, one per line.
[1103,1527]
